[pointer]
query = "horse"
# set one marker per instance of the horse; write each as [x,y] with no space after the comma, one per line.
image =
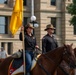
[1,60]
[46,63]
[66,71]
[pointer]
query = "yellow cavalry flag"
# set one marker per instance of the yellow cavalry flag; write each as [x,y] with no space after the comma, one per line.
[17,17]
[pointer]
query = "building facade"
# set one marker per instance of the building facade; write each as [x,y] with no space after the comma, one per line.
[46,11]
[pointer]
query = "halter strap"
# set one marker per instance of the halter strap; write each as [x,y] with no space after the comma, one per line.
[63,70]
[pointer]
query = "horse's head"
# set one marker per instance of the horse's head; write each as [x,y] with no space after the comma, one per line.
[69,56]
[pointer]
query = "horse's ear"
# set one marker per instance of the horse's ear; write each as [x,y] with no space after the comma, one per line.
[64,45]
[71,44]
[19,50]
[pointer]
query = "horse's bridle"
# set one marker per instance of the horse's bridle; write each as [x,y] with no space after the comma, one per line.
[67,54]
[64,53]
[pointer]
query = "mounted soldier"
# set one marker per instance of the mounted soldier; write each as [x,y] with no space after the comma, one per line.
[30,45]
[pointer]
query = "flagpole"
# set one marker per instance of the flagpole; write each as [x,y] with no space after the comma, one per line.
[23,44]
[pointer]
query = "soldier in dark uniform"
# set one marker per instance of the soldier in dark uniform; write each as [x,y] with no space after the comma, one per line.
[30,44]
[49,41]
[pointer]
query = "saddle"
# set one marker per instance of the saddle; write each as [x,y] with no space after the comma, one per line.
[16,65]
[18,54]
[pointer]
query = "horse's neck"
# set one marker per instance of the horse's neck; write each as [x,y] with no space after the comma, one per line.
[53,59]
[56,55]
[6,61]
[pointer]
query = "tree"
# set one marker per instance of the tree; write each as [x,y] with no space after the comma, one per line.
[72,10]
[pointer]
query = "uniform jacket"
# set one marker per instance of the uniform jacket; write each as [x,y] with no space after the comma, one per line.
[49,43]
[30,41]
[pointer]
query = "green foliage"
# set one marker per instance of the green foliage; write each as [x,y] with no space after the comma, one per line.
[73,20]
[72,10]
[74,1]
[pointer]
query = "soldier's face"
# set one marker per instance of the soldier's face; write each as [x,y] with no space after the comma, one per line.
[51,31]
[29,30]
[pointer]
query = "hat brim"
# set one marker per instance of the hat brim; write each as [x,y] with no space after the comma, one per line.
[29,27]
[49,28]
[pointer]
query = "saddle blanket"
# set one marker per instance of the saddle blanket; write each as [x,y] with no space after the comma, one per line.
[19,69]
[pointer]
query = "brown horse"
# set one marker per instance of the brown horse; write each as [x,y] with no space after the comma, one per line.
[65,70]
[1,60]
[46,63]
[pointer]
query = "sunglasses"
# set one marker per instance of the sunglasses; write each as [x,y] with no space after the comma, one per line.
[51,29]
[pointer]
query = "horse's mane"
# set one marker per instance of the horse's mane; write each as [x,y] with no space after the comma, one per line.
[54,54]
[55,50]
